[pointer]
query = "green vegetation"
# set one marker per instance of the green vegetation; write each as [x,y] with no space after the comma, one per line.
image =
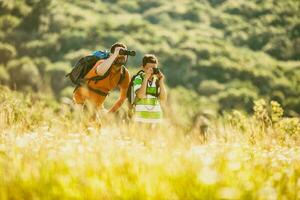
[231,52]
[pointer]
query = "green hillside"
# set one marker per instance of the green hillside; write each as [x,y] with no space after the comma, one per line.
[226,52]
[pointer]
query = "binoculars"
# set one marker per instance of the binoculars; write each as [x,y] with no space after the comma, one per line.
[126,52]
[156,70]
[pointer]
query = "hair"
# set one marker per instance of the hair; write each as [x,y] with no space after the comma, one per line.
[115,45]
[149,58]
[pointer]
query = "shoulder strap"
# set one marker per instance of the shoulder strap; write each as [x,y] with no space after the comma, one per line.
[130,92]
[139,73]
[123,74]
[157,88]
[99,77]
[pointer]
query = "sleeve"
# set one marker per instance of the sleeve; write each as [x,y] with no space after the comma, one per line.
[93,72]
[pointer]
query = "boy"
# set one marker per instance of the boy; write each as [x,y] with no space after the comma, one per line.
[150,92]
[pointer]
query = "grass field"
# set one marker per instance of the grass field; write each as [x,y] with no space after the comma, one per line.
[53,151]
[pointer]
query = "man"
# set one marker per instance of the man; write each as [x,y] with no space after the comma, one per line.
[150,91]
[112,74]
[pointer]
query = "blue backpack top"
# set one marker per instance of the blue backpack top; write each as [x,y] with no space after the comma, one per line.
[101,54]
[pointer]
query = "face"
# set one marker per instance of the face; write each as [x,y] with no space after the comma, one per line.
[150,65]
[120,60]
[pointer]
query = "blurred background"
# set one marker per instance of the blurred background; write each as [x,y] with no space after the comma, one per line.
[218,55]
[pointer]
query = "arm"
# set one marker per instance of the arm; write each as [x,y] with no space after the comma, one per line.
[163,92]
[120,101]
[123,93]
[105,65]
[141,93]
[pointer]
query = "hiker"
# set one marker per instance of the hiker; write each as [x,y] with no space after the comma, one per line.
[148,92]
[104,76]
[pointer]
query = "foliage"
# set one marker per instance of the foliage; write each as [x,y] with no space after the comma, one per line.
[7,52]
[21,69]
[268,118]
[244,49]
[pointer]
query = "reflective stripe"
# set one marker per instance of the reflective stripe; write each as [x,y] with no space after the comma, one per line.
[154,121]
[148,101]
[149,108]
[149,96]
[148,115]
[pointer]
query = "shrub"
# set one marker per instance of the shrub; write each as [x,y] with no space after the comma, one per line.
[24,74]
[7,52]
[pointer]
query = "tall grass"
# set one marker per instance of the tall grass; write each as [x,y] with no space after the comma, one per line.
[55,151]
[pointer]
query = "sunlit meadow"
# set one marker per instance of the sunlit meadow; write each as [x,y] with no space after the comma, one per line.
[54,151]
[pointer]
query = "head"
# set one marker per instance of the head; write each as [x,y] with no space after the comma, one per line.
[121,59]
[149,61]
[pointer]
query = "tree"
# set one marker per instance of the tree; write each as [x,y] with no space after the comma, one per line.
[7,52]
[24,74]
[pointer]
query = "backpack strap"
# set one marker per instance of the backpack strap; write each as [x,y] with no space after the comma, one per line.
[123,74]
[130,95]
[157,88]
[99,92]
[99,77]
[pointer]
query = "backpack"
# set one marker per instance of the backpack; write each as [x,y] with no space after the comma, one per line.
[130,91]
[85,64]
